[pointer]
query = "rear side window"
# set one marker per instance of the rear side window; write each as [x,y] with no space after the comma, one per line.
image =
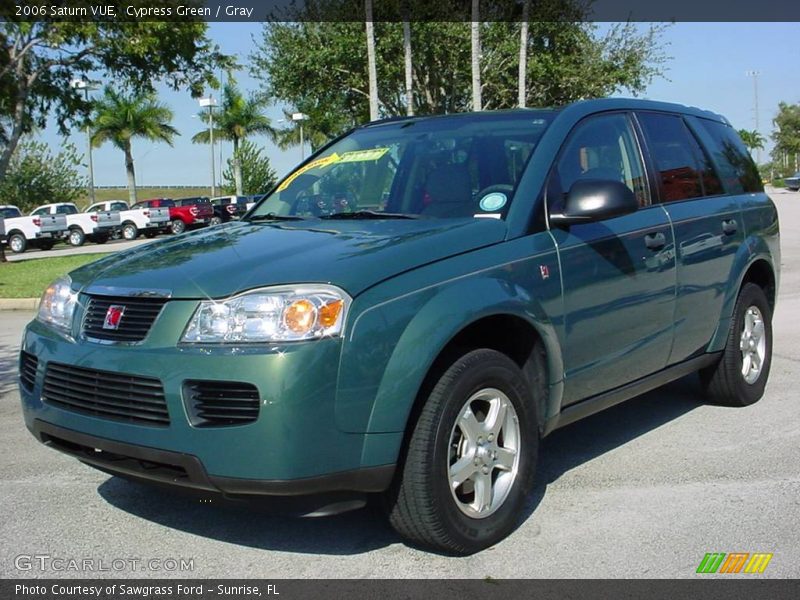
[684,169]
[737,168]
[119,206]
[66,209]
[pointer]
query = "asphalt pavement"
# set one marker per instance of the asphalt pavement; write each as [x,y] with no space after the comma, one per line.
[644,489]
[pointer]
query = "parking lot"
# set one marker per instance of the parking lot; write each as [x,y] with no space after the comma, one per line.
[644,489]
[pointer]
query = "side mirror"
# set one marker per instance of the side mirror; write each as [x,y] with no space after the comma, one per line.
[595,200]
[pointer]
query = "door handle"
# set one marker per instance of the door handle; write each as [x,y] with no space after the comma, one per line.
[729,226]
[655,241]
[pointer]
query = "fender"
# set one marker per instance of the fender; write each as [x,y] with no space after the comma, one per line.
[414,328]
[754,248]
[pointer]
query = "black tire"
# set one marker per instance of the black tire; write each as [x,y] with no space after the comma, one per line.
[101,238]
[177,227]
[76,237]
[17,243]
[150,234]
[724,383]
[421,506]
[215,221]
[130,232]
[48,245]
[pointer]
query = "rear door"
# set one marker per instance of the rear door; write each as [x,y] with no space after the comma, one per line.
[706,221]
[618,275]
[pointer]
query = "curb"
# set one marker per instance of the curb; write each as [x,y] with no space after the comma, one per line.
[19,303]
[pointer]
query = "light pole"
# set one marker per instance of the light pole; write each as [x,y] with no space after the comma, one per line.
[87,85]
[299,117]
[754,75]
[211,102]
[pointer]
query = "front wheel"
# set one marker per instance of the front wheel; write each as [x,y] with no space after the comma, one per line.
[471,458]
[177,226]
[76,237]
[740,376]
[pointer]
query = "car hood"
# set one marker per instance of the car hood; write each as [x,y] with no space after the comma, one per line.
[224,260]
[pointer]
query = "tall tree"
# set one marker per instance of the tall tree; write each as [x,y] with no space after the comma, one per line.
[237,117]
[371,67]
[752,139]
[523,55]
[119,117]
[39,59]
[567,60]
[787,134]
[409,69]
[475,40]
[257,174]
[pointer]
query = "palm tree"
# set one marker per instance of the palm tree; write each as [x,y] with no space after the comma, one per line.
[476,56]
[118,118]
[523,54]
[752,139]
[372,70]
[408,68]
[236,118]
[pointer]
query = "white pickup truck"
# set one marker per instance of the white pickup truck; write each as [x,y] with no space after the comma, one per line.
[133,221]
[39,231]
[94,226]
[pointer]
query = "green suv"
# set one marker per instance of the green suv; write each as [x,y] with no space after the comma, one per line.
[413,308]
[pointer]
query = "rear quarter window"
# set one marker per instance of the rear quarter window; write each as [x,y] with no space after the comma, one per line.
[737,169]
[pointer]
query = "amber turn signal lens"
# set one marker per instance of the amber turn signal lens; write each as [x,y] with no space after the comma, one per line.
[300,316]
[329,314]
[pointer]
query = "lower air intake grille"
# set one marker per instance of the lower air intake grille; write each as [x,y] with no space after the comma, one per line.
[28,364]
[106,394]
[221,403]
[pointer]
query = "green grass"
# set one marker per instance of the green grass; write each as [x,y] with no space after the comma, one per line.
[143,193]
[29,278]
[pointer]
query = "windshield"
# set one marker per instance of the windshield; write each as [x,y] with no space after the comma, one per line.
[458,166]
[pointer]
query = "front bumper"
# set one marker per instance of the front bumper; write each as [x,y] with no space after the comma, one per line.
[294,446]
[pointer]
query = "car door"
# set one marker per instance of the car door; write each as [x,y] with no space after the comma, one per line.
[618,275]
[707,225]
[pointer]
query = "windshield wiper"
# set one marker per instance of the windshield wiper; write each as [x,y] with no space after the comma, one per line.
[369,214]
[274,217]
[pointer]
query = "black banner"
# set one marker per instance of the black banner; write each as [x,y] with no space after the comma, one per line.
[397,10]
[708,588]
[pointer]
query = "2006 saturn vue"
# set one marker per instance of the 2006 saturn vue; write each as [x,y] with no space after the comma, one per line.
[413,308]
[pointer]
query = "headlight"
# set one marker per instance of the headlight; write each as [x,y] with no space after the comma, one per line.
[58,304]
[278,314]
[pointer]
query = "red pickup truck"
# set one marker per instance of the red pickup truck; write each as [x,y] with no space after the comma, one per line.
[182,215]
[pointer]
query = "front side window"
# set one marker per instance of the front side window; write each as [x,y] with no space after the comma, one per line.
[460,166]
[9,212]
[119,206]
[683,167]
[604,148]
[41,211]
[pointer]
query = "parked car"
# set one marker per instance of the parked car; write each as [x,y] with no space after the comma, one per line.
[201,209]
[228,208]
[133,221]
[23,232]
[184,213]
[792,183]
[492,282]
[96,226]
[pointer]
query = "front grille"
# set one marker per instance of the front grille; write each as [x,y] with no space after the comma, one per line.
[221,403]
[105,394]
[134,325]
[28,364]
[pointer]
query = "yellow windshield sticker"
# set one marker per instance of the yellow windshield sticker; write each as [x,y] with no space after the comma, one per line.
[320,162]
[363,155]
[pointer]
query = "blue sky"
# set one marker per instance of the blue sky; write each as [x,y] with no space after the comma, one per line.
[707,69]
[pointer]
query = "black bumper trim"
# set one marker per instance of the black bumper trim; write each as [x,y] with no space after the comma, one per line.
[187,471]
